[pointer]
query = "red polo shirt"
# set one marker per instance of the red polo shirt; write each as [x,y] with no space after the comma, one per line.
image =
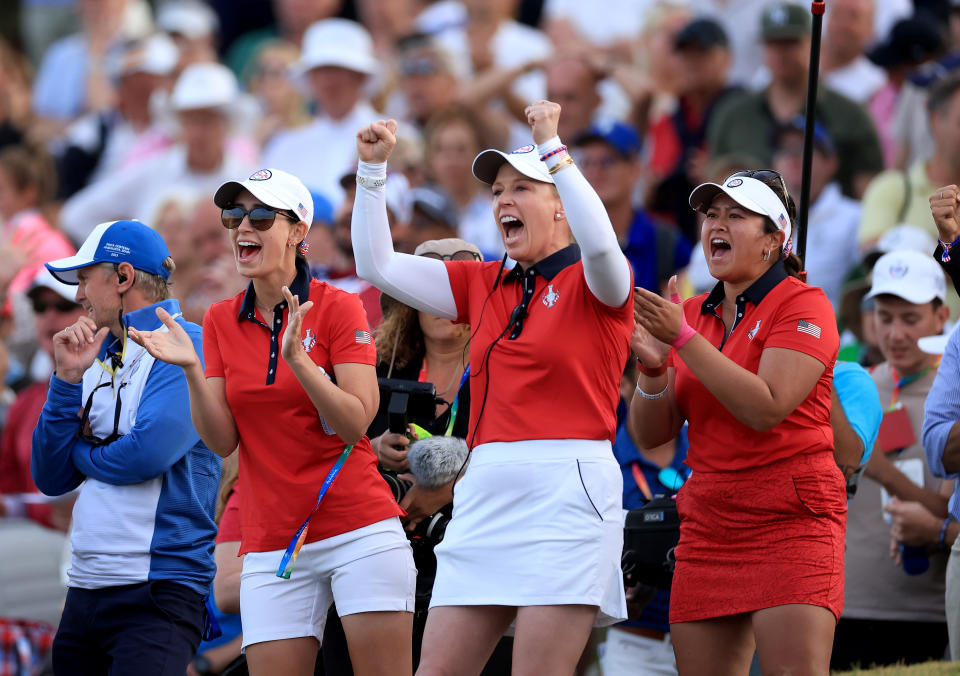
[777,311]
[285,452]
[555,372]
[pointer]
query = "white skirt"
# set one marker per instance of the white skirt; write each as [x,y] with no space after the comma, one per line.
[536,523]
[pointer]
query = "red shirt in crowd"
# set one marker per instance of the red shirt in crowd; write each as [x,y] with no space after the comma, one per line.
[555,373]
[17,440]
[285,450]
[777,311]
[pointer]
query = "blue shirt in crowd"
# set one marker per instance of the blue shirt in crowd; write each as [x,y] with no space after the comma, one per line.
[940,412]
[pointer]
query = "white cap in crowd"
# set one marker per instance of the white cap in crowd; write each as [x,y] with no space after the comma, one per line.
[751,194]
[273,187]
[911,275]
[156,55]
[44,279]
[524,159]
[906,238]
[337,42]
[938,344]
[187,17]
[204,85]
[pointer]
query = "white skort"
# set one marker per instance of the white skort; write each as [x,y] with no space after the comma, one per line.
[363,570]
[536,523]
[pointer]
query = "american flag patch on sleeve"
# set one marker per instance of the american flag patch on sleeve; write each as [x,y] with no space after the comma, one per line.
[803,326]
[365,337]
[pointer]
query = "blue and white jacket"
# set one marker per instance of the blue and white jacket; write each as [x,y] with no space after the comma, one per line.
[145,511]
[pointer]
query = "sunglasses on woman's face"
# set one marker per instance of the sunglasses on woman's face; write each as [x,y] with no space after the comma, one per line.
[462,255]
[261,218]
[62,306]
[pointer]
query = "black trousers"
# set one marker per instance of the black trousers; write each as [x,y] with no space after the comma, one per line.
[146,629]
[865,643]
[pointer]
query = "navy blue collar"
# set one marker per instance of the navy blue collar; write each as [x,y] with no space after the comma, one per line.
[754,293]
[299,288]
[549,267]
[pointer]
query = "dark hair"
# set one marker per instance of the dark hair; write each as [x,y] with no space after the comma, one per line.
[791,261]
[941,91]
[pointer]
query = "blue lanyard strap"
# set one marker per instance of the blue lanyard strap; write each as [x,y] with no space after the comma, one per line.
[293,549]
[456,401]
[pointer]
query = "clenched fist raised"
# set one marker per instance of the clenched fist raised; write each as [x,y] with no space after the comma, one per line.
[376,141]
[543,118]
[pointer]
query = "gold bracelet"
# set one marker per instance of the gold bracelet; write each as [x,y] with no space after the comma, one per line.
[562,164]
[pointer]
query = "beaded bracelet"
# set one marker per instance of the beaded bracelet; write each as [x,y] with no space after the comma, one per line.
[945,256]
[658,395]
[555,151]
[562,164]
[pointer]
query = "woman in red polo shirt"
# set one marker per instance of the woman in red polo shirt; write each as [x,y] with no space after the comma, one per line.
[760,558]
[293,386]
[536,534]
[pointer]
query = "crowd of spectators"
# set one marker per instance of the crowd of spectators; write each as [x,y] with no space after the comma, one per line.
[137,109]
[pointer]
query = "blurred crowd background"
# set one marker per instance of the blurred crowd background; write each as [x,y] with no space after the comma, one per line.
[115,109]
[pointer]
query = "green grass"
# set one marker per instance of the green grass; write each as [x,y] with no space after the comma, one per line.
[926,669]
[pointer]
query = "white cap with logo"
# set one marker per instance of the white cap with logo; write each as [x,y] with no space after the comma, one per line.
[524,159]
[273,187]
[751,194]
[911,275]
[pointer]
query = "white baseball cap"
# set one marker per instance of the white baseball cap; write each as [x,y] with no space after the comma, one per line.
[524,159]
[273,187]
[911,275]
[156,55]
[204,85]
[187,17]
[44,279]
[938,344]
[751,194]
[337,42]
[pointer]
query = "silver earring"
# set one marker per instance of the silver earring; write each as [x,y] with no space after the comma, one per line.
[559,215]
[766,255]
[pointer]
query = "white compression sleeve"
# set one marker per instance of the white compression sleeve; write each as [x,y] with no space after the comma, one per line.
[417,281]
[604,265]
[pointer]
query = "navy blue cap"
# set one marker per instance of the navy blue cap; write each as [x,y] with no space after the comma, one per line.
[702,33]
[619,136]
[116,242]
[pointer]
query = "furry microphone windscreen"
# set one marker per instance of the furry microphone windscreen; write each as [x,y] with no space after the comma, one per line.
[436,461]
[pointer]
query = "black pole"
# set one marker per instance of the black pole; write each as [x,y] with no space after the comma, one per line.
[817,8]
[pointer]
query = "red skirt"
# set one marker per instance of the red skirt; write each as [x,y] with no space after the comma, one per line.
[759,538]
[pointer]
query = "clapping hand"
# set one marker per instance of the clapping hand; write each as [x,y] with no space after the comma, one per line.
[291,347]
[659,317]
[75,348]
[173,346]
[376,141]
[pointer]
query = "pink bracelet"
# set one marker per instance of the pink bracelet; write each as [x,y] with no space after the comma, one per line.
[686,331]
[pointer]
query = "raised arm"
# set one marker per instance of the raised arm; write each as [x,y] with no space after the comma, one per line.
[419,282]
[604,265]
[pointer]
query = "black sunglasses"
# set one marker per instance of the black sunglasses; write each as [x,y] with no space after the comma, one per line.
[462,255]
[63,306]
[764,175]
[261,218]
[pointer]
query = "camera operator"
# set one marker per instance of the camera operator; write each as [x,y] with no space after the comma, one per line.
[418,346]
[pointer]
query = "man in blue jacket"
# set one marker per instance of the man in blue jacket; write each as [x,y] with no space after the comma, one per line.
[117,426]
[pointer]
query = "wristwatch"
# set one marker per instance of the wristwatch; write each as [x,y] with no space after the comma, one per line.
[203,666]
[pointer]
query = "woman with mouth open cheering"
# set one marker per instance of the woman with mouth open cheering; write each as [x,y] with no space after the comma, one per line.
[289,378]
[749,366]
[537,533]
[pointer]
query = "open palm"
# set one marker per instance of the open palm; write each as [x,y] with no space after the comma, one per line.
[650,351]
[173,346]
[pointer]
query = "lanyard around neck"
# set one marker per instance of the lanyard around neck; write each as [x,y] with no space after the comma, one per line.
[456,400]
[900,383]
